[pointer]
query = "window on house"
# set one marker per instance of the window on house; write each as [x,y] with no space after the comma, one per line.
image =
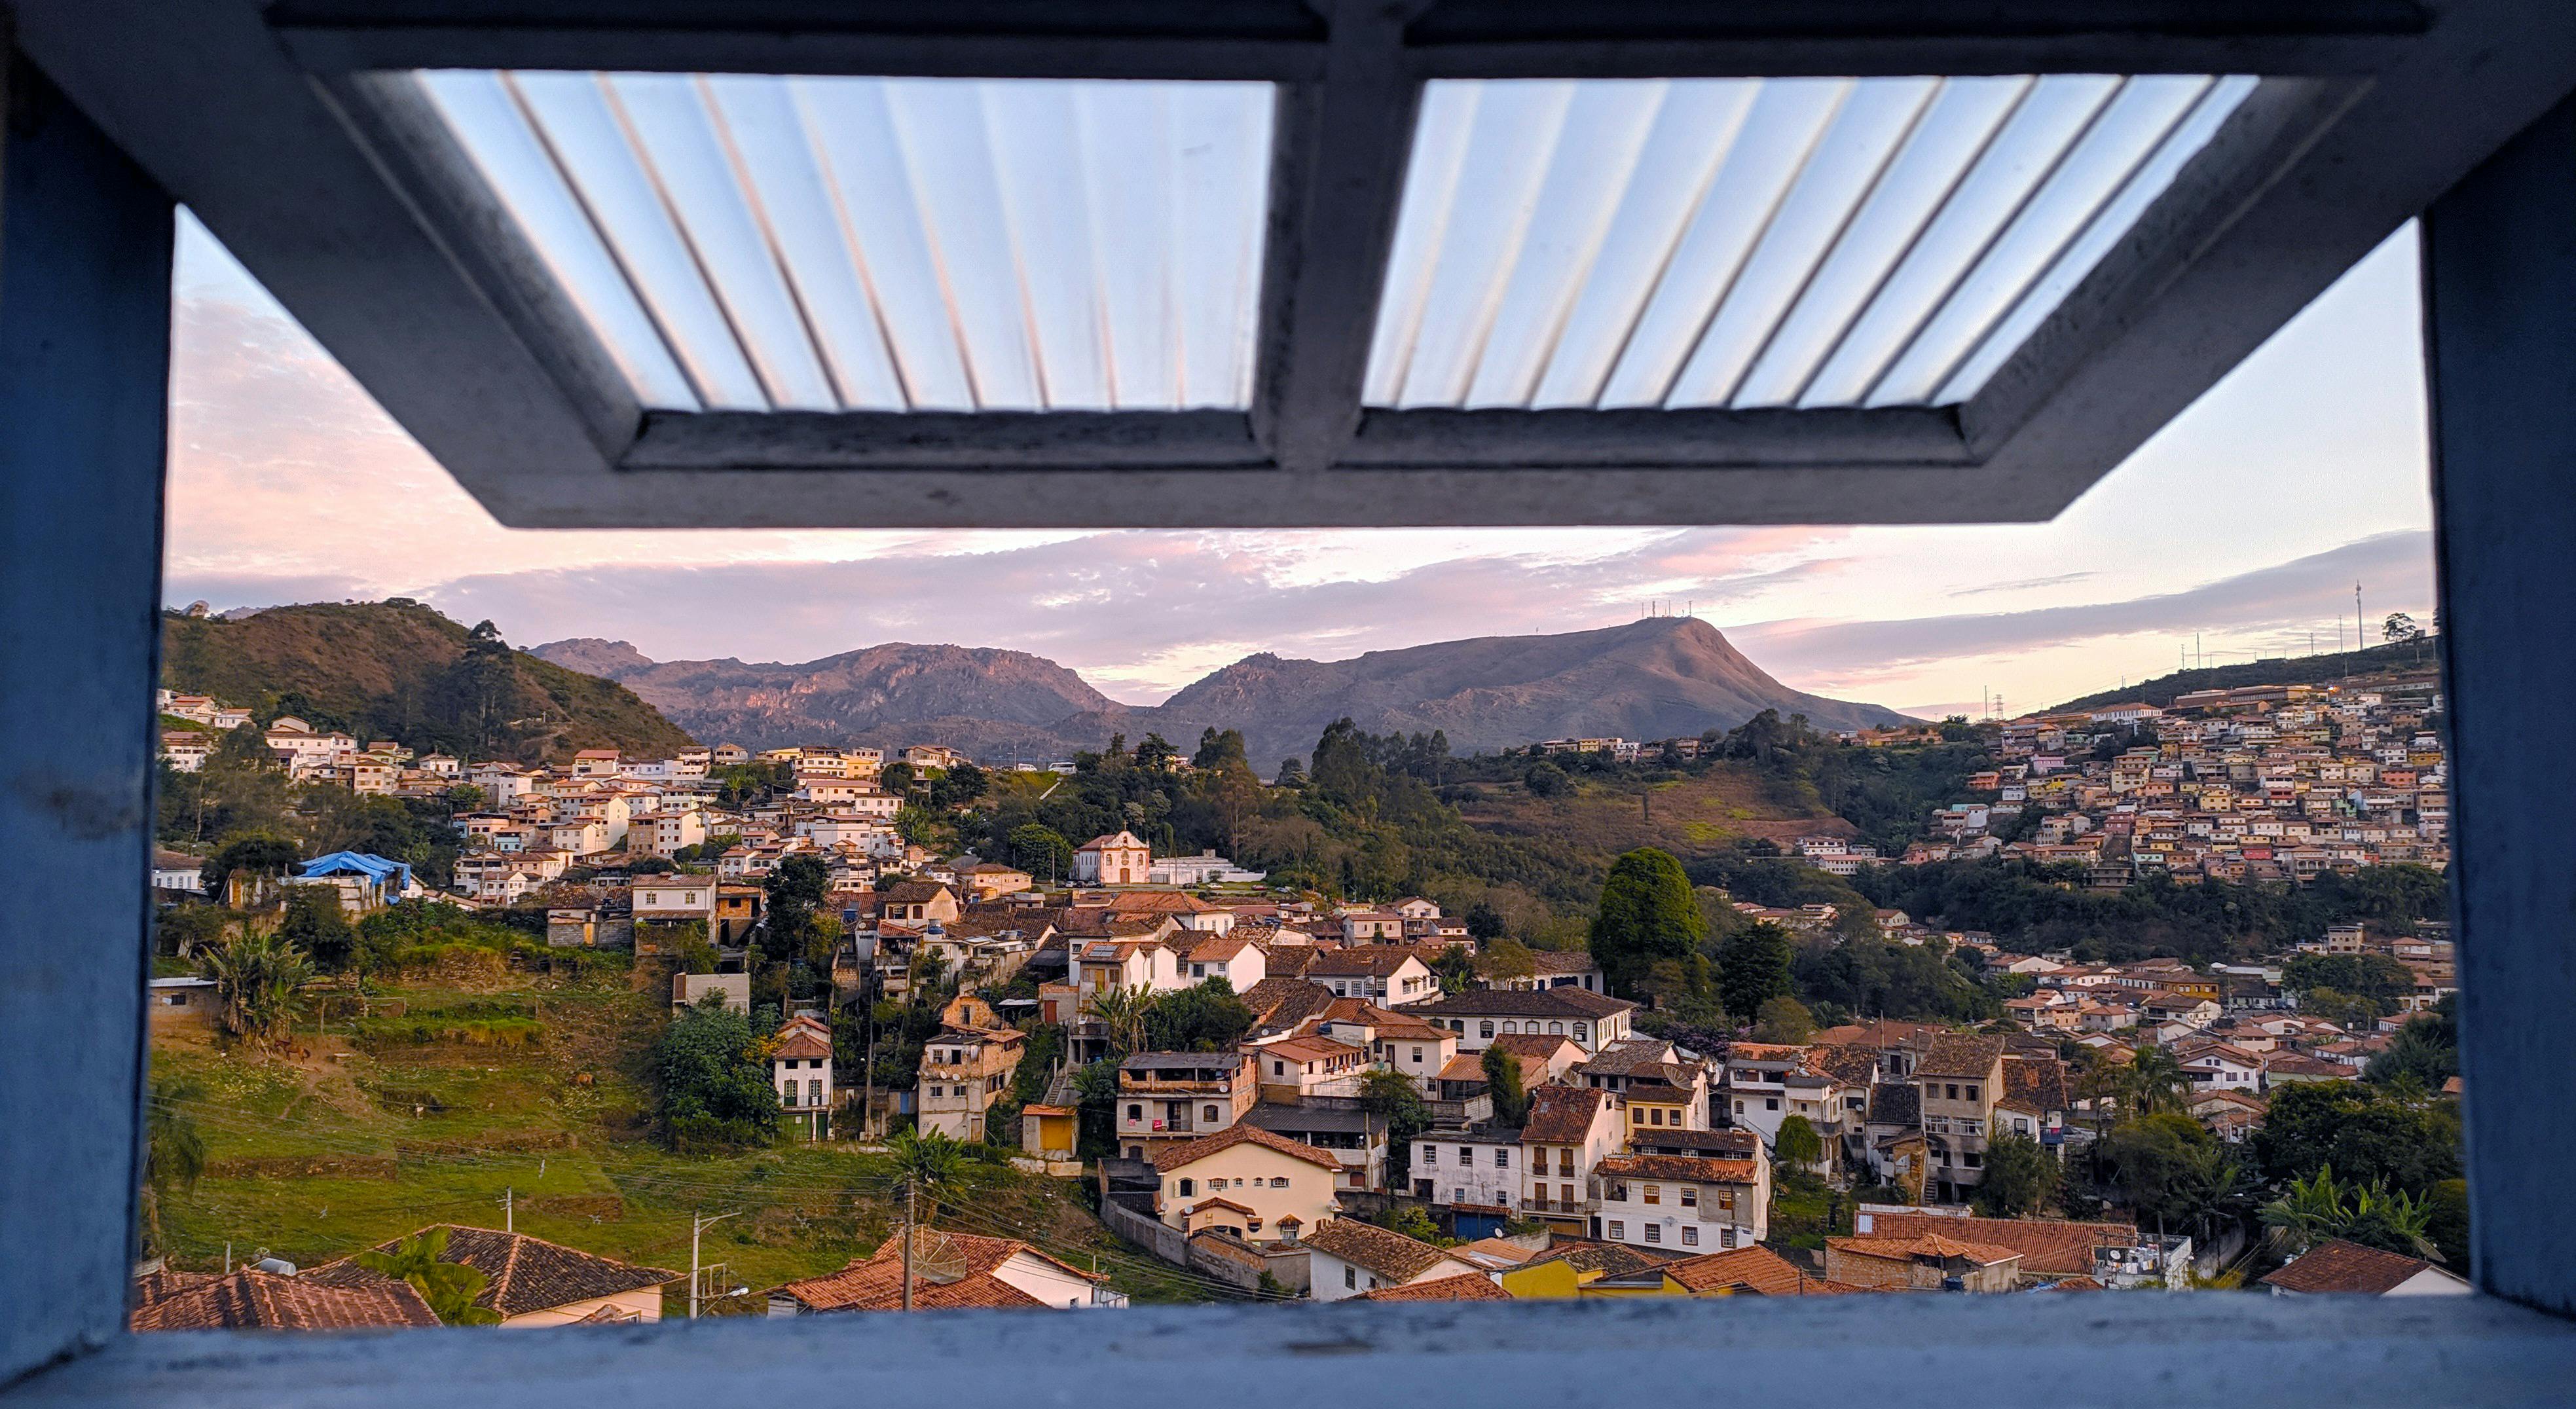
[1972,1093]
[1654,1232]
[1654,1193]
[1690,1236]
[1351,1277]
[1135,1112]
[1690,1196]
[1619,1190]
[1485,1028]
[1430,1155]
[1770,1103]
[1208,1114]
[1502,1158]
[1618,1228]
[1188,1188]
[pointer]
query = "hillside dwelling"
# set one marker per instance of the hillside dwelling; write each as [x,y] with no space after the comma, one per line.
[667,832]
[1570,1130]
[1114,859]
[2336,1267]
[938,756]
[363,882]
[1169,1097]
[950,1272]
[801,1070]
[1347,1258]
[1381,974]
[690,990]
[1926,1262]
[595,763]
[1470,1171]
[532,1282]
[1665,1203]
[180,1003]
[178,873]
[1590,1020]
[1247,1182]
[964,1073]
[1239,962]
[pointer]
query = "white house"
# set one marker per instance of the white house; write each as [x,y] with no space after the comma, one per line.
[1117,859]
[1346,1258]
[801,1070]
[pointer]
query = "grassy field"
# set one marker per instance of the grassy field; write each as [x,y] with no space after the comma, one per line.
[1686,817]
[538,1094]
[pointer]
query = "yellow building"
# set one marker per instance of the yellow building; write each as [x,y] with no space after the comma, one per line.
[1246,1181]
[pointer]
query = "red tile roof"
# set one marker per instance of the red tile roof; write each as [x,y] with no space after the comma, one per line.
[1755,1269]
[1233,1135]
[252,1300]
[1466,1286]
[951,1272]
[2338,1266]
[2048,1246]
[521,1274]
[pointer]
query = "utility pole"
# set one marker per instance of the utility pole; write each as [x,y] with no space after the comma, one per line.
[509,1212]
[2360,634]
[907,1242]
[698,1225]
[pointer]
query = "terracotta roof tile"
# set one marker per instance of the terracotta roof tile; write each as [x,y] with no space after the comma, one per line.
[1233,1135]
[1466,1286]
[2338,1266]
[951,1272]
[1389,1254]
[1755,1269]
[1562,1115]
[252,1300]
[1681,1168]
[521,1274]
[2047,1245]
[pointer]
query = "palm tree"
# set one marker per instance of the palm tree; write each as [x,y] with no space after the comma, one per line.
[2317,1208]
[2157,1082]
[1121,1012]
[173,1153]
[449,1287]
[927,1161]
[2216,1189]
[259,984]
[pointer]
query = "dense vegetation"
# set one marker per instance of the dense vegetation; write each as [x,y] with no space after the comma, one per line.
[241,802]
[399,670]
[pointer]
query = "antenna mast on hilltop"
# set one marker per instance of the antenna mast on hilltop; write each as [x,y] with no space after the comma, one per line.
[2360,634]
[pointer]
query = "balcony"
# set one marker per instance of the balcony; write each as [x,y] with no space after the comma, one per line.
[1561,1205]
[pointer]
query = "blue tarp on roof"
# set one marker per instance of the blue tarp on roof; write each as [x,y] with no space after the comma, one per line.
[375,868]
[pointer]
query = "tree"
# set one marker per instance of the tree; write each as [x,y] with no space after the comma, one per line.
[263,854]
[1391,1096]
[1797,1145]
[2359,1128]
[1455,968]
[173,1152]
[1041,851]
[714,1087]
[1122,1012]
[2019,1177]
[1753,967]
[259,984]
[1484,922]
[1208,1018]
[795,890]
[2151,1162]
[315,923]
[2399,627]
[1503,1081]
[958,787]
[450,1288]
[1547,780]
[927,1160]
[2156,1082]
[1784,1020]
[2317,1208]
[1646,912]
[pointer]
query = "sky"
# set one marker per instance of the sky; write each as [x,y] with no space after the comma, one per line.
[2242,528]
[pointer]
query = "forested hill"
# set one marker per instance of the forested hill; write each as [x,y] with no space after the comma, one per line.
[2400,659]
[399,670]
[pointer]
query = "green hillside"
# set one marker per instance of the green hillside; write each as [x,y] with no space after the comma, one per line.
[2417,659]
[399,670]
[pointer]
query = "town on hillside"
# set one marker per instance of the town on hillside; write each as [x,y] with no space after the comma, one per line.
[815,1030]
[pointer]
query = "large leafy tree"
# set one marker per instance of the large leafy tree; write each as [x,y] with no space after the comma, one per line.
[2018,1179]
[316,924]
[1123,1012]
[795,891]
[1391,1096]
[1753,967]
[1503,1081]
[1646,914]
[2152,1162]
[2366,1131]
[1041,851]
[450,1288]
[1208,1018]
[714,1087]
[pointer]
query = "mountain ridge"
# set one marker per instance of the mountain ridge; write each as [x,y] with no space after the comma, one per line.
[1653,678]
